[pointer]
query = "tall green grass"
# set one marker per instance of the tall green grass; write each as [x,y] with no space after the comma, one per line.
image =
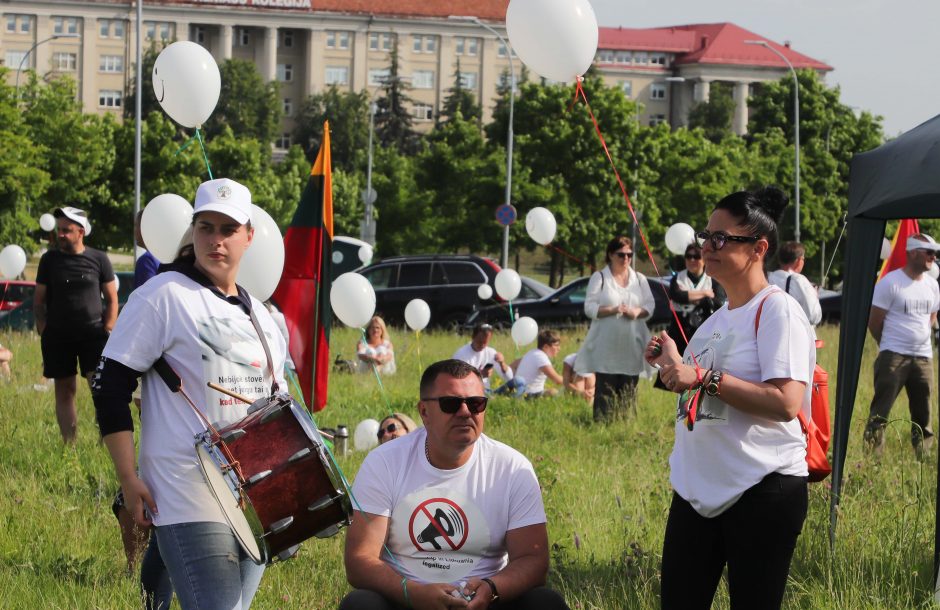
[606,493]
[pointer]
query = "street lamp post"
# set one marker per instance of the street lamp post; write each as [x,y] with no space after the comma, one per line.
[796,126]
[31,49]
[367,234]
[504,262]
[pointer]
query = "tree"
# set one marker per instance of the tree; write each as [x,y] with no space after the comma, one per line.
[247,105]
[714,116]
[402,210]
[393,118]
[348,114]
[460,100]
[149,101]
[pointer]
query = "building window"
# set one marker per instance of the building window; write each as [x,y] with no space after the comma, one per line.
[283,142]
[25,23]
[378,76]
[65,25]
[627,87]
[658,59]
[159,30]
[338,75]
[657,91]
[468,80]
[417,43]
[285,72]
[423,112]
[423,79]
[11,24]
[287,106]
[111,63]
[430,44]
[242,37]
[199,34]
[13,59]
[467,46]
[108,28]
[502,51]
[656,119]
[287,38]
[337,40]
[641,58]
[108,98]
[117,28]
[423,44]
[64,62]
[380,42]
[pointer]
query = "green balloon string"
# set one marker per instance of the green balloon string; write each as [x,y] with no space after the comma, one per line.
[205,157]
[378,378]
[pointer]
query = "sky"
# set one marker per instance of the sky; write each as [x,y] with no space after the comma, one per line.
[886,54]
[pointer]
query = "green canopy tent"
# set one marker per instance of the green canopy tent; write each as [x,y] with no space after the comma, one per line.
[900,179]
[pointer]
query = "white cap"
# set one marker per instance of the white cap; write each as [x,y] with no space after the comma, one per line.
[79,217]
[226,197]
[923,241]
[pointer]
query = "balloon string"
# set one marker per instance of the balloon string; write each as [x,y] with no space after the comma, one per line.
[184,146]
[579,91]
[567,254]
[418,344]
[378,378]
[512,316]
[205,157]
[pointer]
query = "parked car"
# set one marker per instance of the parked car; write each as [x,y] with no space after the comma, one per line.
[830,301]
[446,282]
[564,307]
[13,293]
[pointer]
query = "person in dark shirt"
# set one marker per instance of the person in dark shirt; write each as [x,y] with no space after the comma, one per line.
[70,317]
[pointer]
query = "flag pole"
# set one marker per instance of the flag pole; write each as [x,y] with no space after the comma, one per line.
[319,273]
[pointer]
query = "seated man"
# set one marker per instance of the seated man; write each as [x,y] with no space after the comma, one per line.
[448,517]
[486,359]
[536,366]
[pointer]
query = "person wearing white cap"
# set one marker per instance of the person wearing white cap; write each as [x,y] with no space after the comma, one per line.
[903,314]
[207,328]
[69,314]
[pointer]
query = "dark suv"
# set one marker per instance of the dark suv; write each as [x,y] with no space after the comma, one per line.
[447,282]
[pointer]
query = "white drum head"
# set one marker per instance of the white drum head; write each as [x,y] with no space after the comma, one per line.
[229,503]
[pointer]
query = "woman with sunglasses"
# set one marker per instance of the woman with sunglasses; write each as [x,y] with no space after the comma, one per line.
[739,459]
[618,301]
[694,294]
[395,425]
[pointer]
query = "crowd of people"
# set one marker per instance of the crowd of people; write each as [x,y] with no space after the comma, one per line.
[446,516]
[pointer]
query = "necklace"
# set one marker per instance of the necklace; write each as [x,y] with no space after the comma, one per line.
[427,452]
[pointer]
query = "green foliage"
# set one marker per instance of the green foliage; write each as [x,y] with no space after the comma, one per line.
[714,116]
[247,105]
[393,124]
[460,100]
[149,101]
[348,114]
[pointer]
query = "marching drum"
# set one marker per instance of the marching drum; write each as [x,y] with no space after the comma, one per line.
[273,479]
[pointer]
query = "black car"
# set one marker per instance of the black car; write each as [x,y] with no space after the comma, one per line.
[564,307]
[448,283]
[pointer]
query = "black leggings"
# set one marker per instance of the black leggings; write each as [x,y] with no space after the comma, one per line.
[614,395]
[755,537]
[539,598]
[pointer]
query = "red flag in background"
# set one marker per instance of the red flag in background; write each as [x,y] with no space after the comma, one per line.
[898,256]
[303,294]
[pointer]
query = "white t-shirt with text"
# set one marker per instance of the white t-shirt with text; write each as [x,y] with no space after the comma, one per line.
[908,304]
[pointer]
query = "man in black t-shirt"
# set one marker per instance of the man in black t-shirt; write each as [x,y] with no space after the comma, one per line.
[70,317]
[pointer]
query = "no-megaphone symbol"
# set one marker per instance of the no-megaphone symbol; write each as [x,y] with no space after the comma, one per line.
[444,523]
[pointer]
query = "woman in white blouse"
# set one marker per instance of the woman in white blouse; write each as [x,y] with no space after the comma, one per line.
[618,302]
[377,350]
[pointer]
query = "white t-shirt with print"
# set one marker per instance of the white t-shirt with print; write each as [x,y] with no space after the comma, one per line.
[448,525]
[729,451]
[479,359]
[909,304]
[203,338]
[529,370]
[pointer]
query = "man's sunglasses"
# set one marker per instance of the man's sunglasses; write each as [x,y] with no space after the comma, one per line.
[451,404]
[718,239]
[693,257]
[387,430]
[624,254]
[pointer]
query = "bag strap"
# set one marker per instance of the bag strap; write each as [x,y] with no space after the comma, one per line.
[264,343]
[787,288]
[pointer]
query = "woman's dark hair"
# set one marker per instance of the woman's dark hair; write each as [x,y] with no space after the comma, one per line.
[615,244]
[693,247]
[759,212]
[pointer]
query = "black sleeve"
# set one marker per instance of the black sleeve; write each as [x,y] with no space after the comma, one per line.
[677,294]
[111,389]
[107,271]
[42,273]
[720,295]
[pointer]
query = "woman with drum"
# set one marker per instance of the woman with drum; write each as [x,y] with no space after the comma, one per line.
[694,294]
[618,302]
[739,460]
[205,328]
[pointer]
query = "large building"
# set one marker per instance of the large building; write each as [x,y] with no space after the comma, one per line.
[309,45]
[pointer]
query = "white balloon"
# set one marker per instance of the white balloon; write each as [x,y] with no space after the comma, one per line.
[541,226]
[934,271]
[187,83]
[485,291]
[678,237]
[885,248]
[12,261]
[353,299]
[166,217]
[417,314]
[524,331]
[117,282]
[261,267]
[338,257]
[508,284]
[364,438]
[47,222]
[365,254]
[556,38]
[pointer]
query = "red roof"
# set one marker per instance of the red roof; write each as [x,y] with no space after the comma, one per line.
[708,43]
[488,10]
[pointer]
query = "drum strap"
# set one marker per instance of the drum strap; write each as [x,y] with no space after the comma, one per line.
[264,343]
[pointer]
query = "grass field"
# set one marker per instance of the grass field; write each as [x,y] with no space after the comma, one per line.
[606,493]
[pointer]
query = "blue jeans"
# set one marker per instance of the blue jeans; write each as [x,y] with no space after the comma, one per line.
[207,566]
[515,386]
[154,579]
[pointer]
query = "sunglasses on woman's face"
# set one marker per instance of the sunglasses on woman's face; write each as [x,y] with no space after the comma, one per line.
[451,404]
[624,254]
[693,257]
[387,430]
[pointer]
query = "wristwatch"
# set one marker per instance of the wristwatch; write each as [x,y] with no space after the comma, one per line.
[713,383]
[495,597]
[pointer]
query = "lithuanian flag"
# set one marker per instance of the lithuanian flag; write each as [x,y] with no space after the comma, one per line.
[303,294]
[898,256]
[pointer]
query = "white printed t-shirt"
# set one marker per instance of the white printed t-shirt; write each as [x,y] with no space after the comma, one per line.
[530,370]
[203,338]
[909,304]
[479,359]
[728,451]
[448,525]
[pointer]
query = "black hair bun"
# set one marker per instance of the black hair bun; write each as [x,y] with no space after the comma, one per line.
[773,201]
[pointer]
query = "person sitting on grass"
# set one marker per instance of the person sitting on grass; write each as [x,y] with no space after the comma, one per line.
[394,426]
[536,366]
[5,356]
[580,385]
